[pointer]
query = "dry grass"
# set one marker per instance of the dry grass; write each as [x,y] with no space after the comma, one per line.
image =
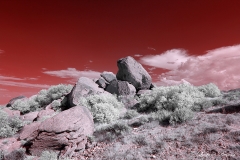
[205,136]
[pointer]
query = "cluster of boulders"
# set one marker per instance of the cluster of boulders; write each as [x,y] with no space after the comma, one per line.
[67,131]
[131,79]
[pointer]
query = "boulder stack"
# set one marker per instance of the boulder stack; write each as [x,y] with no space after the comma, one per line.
[133,72]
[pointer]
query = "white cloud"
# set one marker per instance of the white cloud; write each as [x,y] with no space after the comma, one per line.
[170,59]
[152,68]
[23,84]
[220,66]
[73,73]
[150,48]
[137,55]
[10,81]
[1,51]
[10,78]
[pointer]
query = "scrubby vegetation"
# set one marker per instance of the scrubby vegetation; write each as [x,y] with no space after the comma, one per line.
[43,98]
[176,104]
[9,125]
[104,108]
[170,106]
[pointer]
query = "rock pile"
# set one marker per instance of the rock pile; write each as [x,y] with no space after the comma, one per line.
[66,132]
[131,79]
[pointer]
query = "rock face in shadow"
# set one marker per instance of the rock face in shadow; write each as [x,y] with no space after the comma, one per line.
[121,88]
[133,72]
[108,76]
[65,132]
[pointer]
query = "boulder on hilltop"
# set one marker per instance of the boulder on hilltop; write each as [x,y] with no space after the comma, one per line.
[133,72]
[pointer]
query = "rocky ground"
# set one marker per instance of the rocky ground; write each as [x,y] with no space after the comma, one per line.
[206,136]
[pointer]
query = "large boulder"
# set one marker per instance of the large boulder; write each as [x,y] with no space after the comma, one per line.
[10,103]
[108,76]
[133,72]
[65,133]
[102,82]
[121,88]
[83,88]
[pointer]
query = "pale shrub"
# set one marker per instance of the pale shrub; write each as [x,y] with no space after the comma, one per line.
[170,98]
[181,115]
[210,90]
[9,126]
[56,104]
[175,104]
[43,98]
[21,105]
[48,155]
[104,108]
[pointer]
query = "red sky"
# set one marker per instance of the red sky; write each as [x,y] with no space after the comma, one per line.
[45,43]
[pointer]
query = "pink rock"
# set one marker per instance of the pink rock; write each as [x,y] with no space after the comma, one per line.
[65,132]
[29,131]
[45,113]
[133,72]
[11,113]
[29,116]
[121,88]
[83,87]
[9,144]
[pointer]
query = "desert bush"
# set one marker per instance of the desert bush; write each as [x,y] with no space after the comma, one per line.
[218,101]
[108,132]
[9,126]
[175,104]
[56,105]
[232,95]
[104,108]
[18,154]
[202,104]
[181,115]
[131,114]
[140,140]
[171,97]
[128,100]
[210,90]
[44,97]
[48,155]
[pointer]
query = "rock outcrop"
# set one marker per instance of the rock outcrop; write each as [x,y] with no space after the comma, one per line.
[102,82]
[120,88]
[108,76]
[83,87]
[65,132]
[133,72]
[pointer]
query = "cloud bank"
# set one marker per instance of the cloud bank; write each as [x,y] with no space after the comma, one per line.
[13,81]
[73,73]
[220,66]
[170,59]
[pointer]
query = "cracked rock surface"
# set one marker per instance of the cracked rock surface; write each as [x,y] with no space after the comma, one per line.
[65,133]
